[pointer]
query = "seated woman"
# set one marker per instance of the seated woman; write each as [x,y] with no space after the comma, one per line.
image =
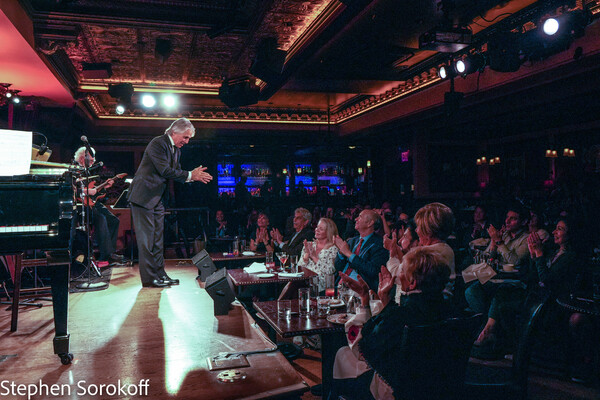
[423,277]
[319,255]
[434,222]
[260,238]
[551,275]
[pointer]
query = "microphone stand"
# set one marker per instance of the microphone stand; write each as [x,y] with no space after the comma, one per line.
[89,285]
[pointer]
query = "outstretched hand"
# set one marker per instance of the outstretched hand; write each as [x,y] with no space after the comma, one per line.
[199,174]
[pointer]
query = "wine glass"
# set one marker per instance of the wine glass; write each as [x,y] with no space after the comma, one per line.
[283,257]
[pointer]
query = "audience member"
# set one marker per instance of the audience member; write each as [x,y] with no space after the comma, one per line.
[374,341]
[434,222]
[293,245]
[260,239]
[362,254]
[320,254]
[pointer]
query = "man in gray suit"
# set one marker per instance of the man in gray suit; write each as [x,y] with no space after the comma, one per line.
[159,164]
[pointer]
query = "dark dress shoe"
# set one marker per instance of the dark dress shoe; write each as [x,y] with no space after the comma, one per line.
[170,280]
[114,257]
[157,283]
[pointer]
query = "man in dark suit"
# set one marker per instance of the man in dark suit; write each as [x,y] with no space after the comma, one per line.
[294,243]
[159,164]
[364,254]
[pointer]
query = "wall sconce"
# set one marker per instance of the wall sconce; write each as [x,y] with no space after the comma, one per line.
[551,153]
[360,170]
[568,152]
[497,160]
[368,163]
[298,170]
[492,162]
[7,94]
[284,171]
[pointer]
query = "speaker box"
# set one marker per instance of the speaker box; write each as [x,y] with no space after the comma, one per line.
[238,92]
[204,263]
[220,289]
[269,60]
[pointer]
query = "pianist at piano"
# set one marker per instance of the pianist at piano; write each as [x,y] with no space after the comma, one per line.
[105,223]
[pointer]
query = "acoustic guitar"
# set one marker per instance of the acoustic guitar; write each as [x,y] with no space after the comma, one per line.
[92,200]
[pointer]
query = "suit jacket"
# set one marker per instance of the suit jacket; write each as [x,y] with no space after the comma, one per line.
[368,262]
[158,165]
[294,248]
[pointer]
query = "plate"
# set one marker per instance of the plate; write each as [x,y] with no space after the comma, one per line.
[265,276]
[336,303]
[339,318]
[248,253]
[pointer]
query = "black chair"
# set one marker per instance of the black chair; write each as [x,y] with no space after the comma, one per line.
[436,358]
[493,381]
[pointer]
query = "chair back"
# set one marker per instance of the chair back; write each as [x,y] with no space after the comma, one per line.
[534,310]
[435,359]
[290,290]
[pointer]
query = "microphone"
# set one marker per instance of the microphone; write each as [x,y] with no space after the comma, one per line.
[96,166]
[84,139]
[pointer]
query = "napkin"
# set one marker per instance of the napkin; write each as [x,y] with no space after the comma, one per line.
[255,268]
[483,272]
[290,274]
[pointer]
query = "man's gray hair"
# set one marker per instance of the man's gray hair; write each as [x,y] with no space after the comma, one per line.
[80,154]
[180,126]
[305,213]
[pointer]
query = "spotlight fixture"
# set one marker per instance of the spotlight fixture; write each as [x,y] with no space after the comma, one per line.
[148,101]
[443,72]
[470,64]
[550,26]
[122,92]
[169,101]
[460,67]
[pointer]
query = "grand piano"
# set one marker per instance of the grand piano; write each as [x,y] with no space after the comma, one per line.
[35,213]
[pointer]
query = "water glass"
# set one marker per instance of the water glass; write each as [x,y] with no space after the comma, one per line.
[304,301]
[284,309]
[294,264]
[269,261]
[323,303]
[329,285]
[236,247]
[242,246]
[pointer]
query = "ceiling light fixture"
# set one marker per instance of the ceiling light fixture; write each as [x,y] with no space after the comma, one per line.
[169,101]
[148,101]
[6,94]
[120,109]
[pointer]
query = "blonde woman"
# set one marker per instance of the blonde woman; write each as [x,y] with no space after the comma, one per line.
[435,222]
[319,255]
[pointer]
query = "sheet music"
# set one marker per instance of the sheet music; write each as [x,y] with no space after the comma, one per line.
[15,152]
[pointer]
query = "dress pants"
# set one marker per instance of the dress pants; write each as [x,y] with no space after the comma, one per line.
[149,227]
[106,226]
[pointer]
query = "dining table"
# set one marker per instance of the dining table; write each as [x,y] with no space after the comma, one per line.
[332,333]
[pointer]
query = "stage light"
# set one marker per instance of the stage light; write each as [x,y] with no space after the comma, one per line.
[551,26]
[148,101]
[16,100]
[443,72]
[120,109]
[169,101]
[8,95]
[460,67]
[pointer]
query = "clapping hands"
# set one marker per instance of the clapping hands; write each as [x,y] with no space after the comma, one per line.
[535,245]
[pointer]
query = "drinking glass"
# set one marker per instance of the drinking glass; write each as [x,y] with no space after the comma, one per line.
[294,264]
[284,309]
[236,247]
[329,285]
[323,304]
[304,301]
[269,262]
[283,257]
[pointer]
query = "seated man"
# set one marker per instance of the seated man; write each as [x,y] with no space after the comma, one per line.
[293,245]
[508,246]
[106,224]
[372,340]
[363,254]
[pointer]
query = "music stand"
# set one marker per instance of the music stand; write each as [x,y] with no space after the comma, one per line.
[89,285]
